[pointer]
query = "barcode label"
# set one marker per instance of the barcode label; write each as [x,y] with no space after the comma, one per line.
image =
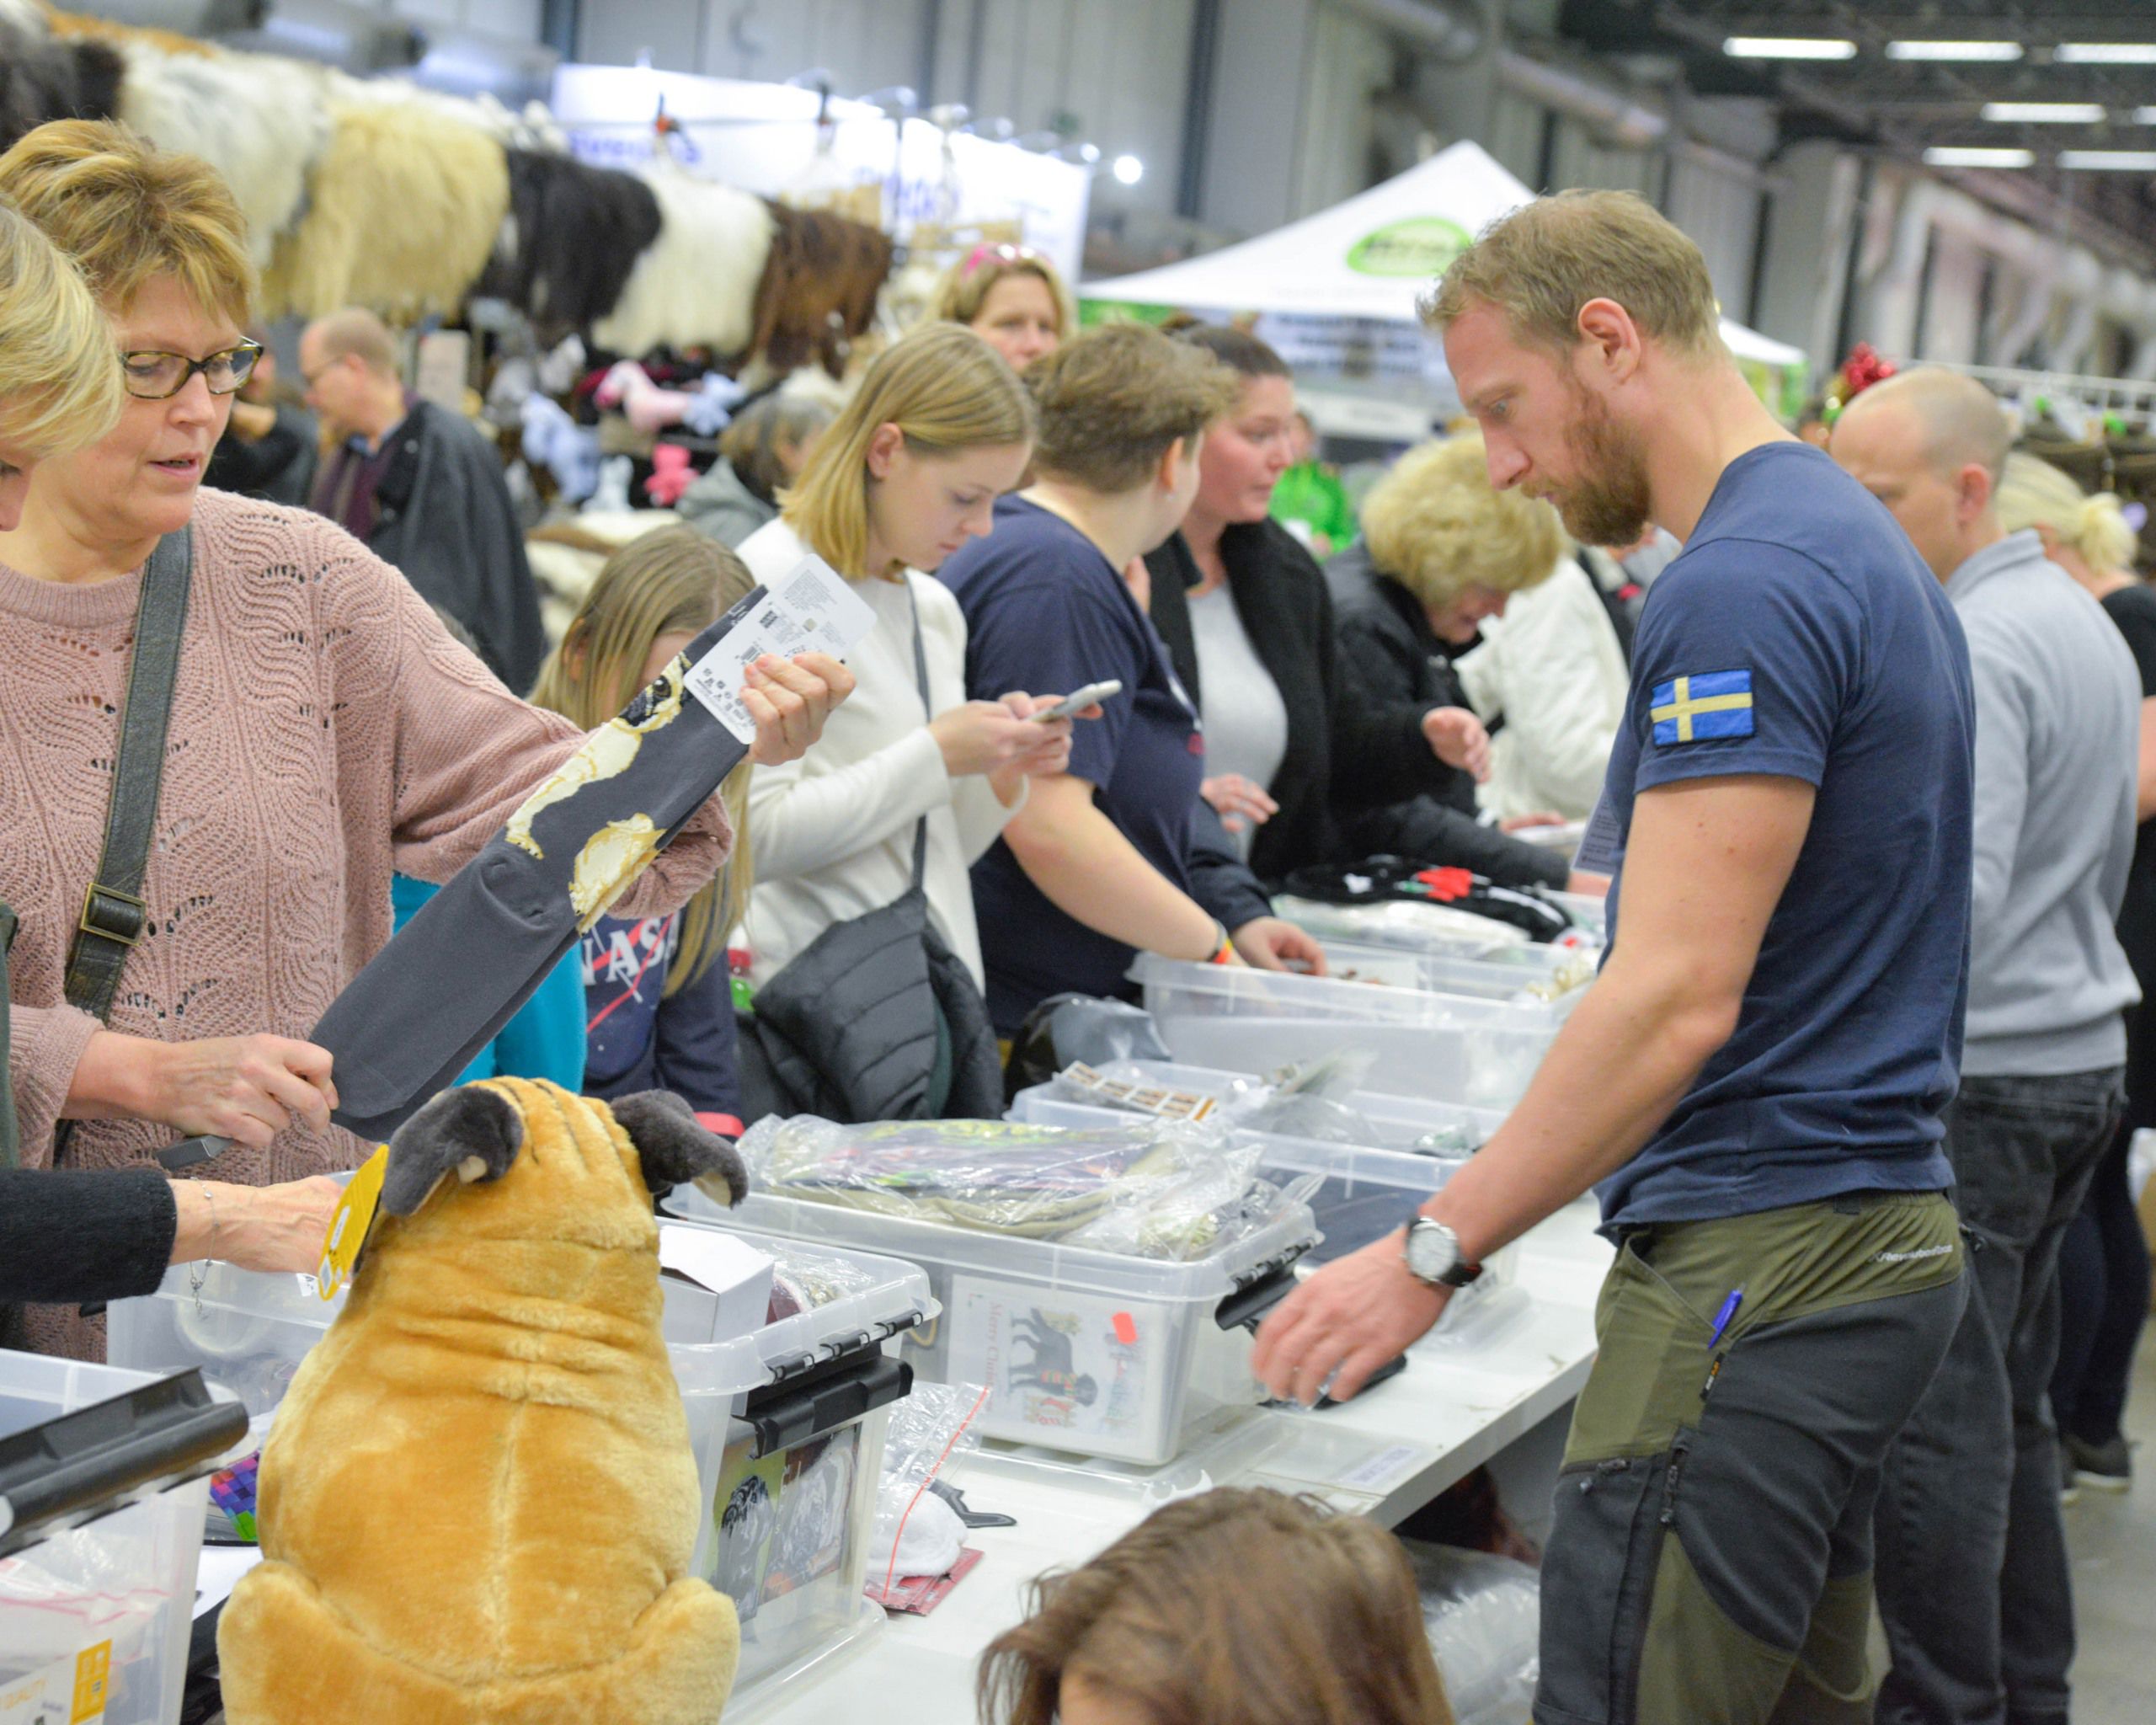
[811,610]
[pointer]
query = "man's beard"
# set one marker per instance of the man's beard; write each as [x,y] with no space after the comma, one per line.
[1608,503]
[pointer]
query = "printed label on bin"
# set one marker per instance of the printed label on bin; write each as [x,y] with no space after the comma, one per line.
[810,609]
[1073,1370]
[69,1691]
[790,1529]
[1144,1098]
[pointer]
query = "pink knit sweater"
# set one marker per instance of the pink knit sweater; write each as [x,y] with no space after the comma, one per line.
[325,729]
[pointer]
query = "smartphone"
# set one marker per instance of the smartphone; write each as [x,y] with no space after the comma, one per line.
[1071,705]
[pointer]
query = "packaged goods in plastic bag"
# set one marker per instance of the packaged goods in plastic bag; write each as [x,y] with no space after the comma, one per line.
[1416,928]
[1152,1188]
[916,1532]
[1483,1615]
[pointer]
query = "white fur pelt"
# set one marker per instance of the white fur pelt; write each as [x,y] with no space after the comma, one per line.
[244,114]
[696,287]
[404,209]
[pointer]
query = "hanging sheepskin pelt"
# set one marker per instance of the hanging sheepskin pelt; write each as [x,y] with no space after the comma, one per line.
[573,236]
[240,113]
[696,285]
[404,206]
[126,36]
[43,77]
[818,291]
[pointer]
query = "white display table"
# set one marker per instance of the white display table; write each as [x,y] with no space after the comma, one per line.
[1460,1402]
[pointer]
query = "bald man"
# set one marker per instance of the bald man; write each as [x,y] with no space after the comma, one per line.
[423,488]
[1973,1580]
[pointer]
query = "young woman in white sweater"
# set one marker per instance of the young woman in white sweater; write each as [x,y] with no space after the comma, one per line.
[908,473]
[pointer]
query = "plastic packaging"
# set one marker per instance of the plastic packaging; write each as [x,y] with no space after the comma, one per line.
[1412,927]
[1083,1350]
[1147,1188]
[917,1533]
[127,1578]
[1483,1615]
[1442,1047]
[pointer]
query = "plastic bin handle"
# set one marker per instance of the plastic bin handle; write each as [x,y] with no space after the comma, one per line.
[100,1458]
[783,1415]
[1243,1308]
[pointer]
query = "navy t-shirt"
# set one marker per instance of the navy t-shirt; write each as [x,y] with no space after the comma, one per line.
[1046,612]
[1800,635]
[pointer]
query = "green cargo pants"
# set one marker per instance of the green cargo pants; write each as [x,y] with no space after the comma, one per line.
[1710,1559]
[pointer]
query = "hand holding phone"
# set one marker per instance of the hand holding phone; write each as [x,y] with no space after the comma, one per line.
[1070,706]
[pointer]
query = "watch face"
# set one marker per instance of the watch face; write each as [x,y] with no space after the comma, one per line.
[1432,1250]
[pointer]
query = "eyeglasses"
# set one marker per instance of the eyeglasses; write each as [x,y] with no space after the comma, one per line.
[158,377]
[983,255]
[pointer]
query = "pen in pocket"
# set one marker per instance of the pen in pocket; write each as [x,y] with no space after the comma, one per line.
[1728,1311]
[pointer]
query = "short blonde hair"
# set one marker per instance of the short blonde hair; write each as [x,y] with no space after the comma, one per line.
[1541,264]
[1114,401]
[59,383]
[128,212]
[967,284]
[947,390]
[1436,525]
[2034,494]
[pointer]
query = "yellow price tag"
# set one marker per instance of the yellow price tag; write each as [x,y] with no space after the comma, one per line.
[93,1682]
[351,1224]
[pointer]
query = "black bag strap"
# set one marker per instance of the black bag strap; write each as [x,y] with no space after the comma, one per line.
[114,916]
[9,1155]
[920,677]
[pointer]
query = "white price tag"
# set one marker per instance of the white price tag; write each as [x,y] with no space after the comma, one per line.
[809,609]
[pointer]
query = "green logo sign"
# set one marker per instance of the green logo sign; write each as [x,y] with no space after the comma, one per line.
[1421,245]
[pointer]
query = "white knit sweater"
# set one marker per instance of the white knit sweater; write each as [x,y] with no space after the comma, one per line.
[832,833]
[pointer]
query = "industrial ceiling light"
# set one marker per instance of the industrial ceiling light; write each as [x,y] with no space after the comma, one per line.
[2110,161]
[1788,48]
[1129,170]
[2106,54]
[2144,116]
[1943,155]
[2045,113]
[1954,50]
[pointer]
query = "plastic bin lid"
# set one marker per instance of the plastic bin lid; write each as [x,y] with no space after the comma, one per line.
[1276,994]
[1280,1241]
[90,1461]
[882,1296]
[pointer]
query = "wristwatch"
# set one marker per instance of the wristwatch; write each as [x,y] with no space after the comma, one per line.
[1433,1256]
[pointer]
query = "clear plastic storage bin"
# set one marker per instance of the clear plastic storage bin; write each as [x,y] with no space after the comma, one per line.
[1365,1193]
[1443,1048]
[787,1424]
[1550,979]
[1082,1351]
[99,1547]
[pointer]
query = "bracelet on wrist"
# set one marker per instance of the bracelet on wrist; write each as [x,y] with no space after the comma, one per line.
[1223,950]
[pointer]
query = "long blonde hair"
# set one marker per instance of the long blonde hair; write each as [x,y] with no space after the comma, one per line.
[59,364]
[2034,494]
[670,581]
[947,390]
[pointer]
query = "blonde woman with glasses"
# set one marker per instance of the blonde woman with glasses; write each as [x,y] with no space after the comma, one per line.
[322,726]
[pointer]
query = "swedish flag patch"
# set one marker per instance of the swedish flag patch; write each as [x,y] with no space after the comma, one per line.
[1696,709]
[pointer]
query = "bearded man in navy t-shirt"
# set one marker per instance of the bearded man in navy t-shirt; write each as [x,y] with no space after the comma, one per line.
[1754,1083]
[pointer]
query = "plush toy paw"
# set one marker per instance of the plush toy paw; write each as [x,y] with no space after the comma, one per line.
[675,1149]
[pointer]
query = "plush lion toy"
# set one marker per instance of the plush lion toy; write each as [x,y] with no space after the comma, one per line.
[479,1502]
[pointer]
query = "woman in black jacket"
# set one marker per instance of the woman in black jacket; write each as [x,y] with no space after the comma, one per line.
[1294,753]
[1433,561]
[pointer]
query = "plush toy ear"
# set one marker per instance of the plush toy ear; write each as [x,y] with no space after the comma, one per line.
[675,1148]
[472,1132]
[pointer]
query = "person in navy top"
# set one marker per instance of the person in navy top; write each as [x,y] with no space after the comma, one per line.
[1755,1080]
[1119,854]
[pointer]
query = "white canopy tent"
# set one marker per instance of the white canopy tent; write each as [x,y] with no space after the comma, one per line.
[1371,257]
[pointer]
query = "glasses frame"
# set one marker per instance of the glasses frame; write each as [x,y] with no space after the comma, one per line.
[253,350]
